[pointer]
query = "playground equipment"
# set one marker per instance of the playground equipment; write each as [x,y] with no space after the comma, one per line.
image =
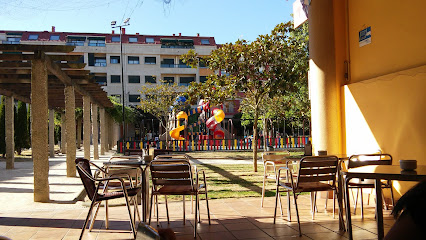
[211,123]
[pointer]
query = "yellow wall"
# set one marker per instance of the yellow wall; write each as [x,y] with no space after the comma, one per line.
[398,36]
[387,90]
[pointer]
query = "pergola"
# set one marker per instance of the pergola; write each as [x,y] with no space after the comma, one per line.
[49,78]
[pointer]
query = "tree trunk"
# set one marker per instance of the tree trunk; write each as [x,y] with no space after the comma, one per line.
[256,116]
[265,133]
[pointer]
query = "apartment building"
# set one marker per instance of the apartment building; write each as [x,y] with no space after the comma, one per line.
[146,58]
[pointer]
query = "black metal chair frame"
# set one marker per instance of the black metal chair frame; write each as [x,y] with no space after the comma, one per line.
[383,159]
[311,170]
[92,190]
[177,173]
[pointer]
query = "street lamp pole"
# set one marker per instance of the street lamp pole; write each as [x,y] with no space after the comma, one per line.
[113,25]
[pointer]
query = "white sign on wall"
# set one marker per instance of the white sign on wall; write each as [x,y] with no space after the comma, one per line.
[364,36]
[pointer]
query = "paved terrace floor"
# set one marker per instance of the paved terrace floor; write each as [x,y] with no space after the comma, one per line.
[63,217]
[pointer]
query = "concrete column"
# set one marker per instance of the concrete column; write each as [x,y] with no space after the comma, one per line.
[70,130]
[110,133]
[95,131]
[39,129]
[63,139]
[79,133]
[51,133]
[10,139]
[103,130]
[323,86]
[87,128]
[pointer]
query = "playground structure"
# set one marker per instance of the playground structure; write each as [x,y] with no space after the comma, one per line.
[212,123]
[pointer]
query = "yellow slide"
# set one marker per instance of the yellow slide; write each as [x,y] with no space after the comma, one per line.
[175,132]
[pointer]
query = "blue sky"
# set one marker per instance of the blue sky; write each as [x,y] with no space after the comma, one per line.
[226,20]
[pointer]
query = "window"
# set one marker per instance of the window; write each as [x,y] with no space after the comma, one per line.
[168,63]
[33,37]
[203,79]
[150,60]
[101,80]
[134,97]
[133,60]
[115,79]
[134,79]
[54,37]
[100,62]
[115,39]
[149,40]
[183,65]
[205,41]
[114,59]
[97,41]
[150,79]
[12,40]
[76,41]
[185,81]
[169,80]
[133,39]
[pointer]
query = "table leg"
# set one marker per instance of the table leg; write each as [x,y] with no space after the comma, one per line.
[379,209]
[348,208]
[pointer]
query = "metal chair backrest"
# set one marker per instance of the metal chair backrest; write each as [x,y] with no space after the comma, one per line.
[318,169]
[369,159]
[174,156]
[171,172]
[83,168]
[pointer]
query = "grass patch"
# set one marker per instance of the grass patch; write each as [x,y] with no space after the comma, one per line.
[233,154]
[234,181]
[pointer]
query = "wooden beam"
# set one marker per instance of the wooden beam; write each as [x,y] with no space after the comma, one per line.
[57,71]
[28,65]
[33,48]
[29,57]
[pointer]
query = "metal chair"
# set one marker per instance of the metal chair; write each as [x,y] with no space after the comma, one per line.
[94,184]
[175,177]
[314,174]
[359,184]
[271,163]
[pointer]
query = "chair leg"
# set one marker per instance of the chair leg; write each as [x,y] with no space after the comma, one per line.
[392,198]
[167,209]
[297,213]
[334,203]
[356,200]
[288,206]
[106,215]
[93,218]
[195,217]
[183,200]
[156,203]
[132,226]
[362,204]
[150,209]
[263,188]
[199,211]
[87,219]
[208,209]
[314,205]
[384,202]
[277,193]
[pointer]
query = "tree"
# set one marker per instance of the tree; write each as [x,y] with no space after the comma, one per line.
[269,66]
[22,138]
[159,100]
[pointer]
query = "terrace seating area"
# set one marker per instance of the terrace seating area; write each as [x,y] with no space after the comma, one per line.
[231,218]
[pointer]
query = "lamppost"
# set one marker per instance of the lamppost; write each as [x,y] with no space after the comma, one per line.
[114,25]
